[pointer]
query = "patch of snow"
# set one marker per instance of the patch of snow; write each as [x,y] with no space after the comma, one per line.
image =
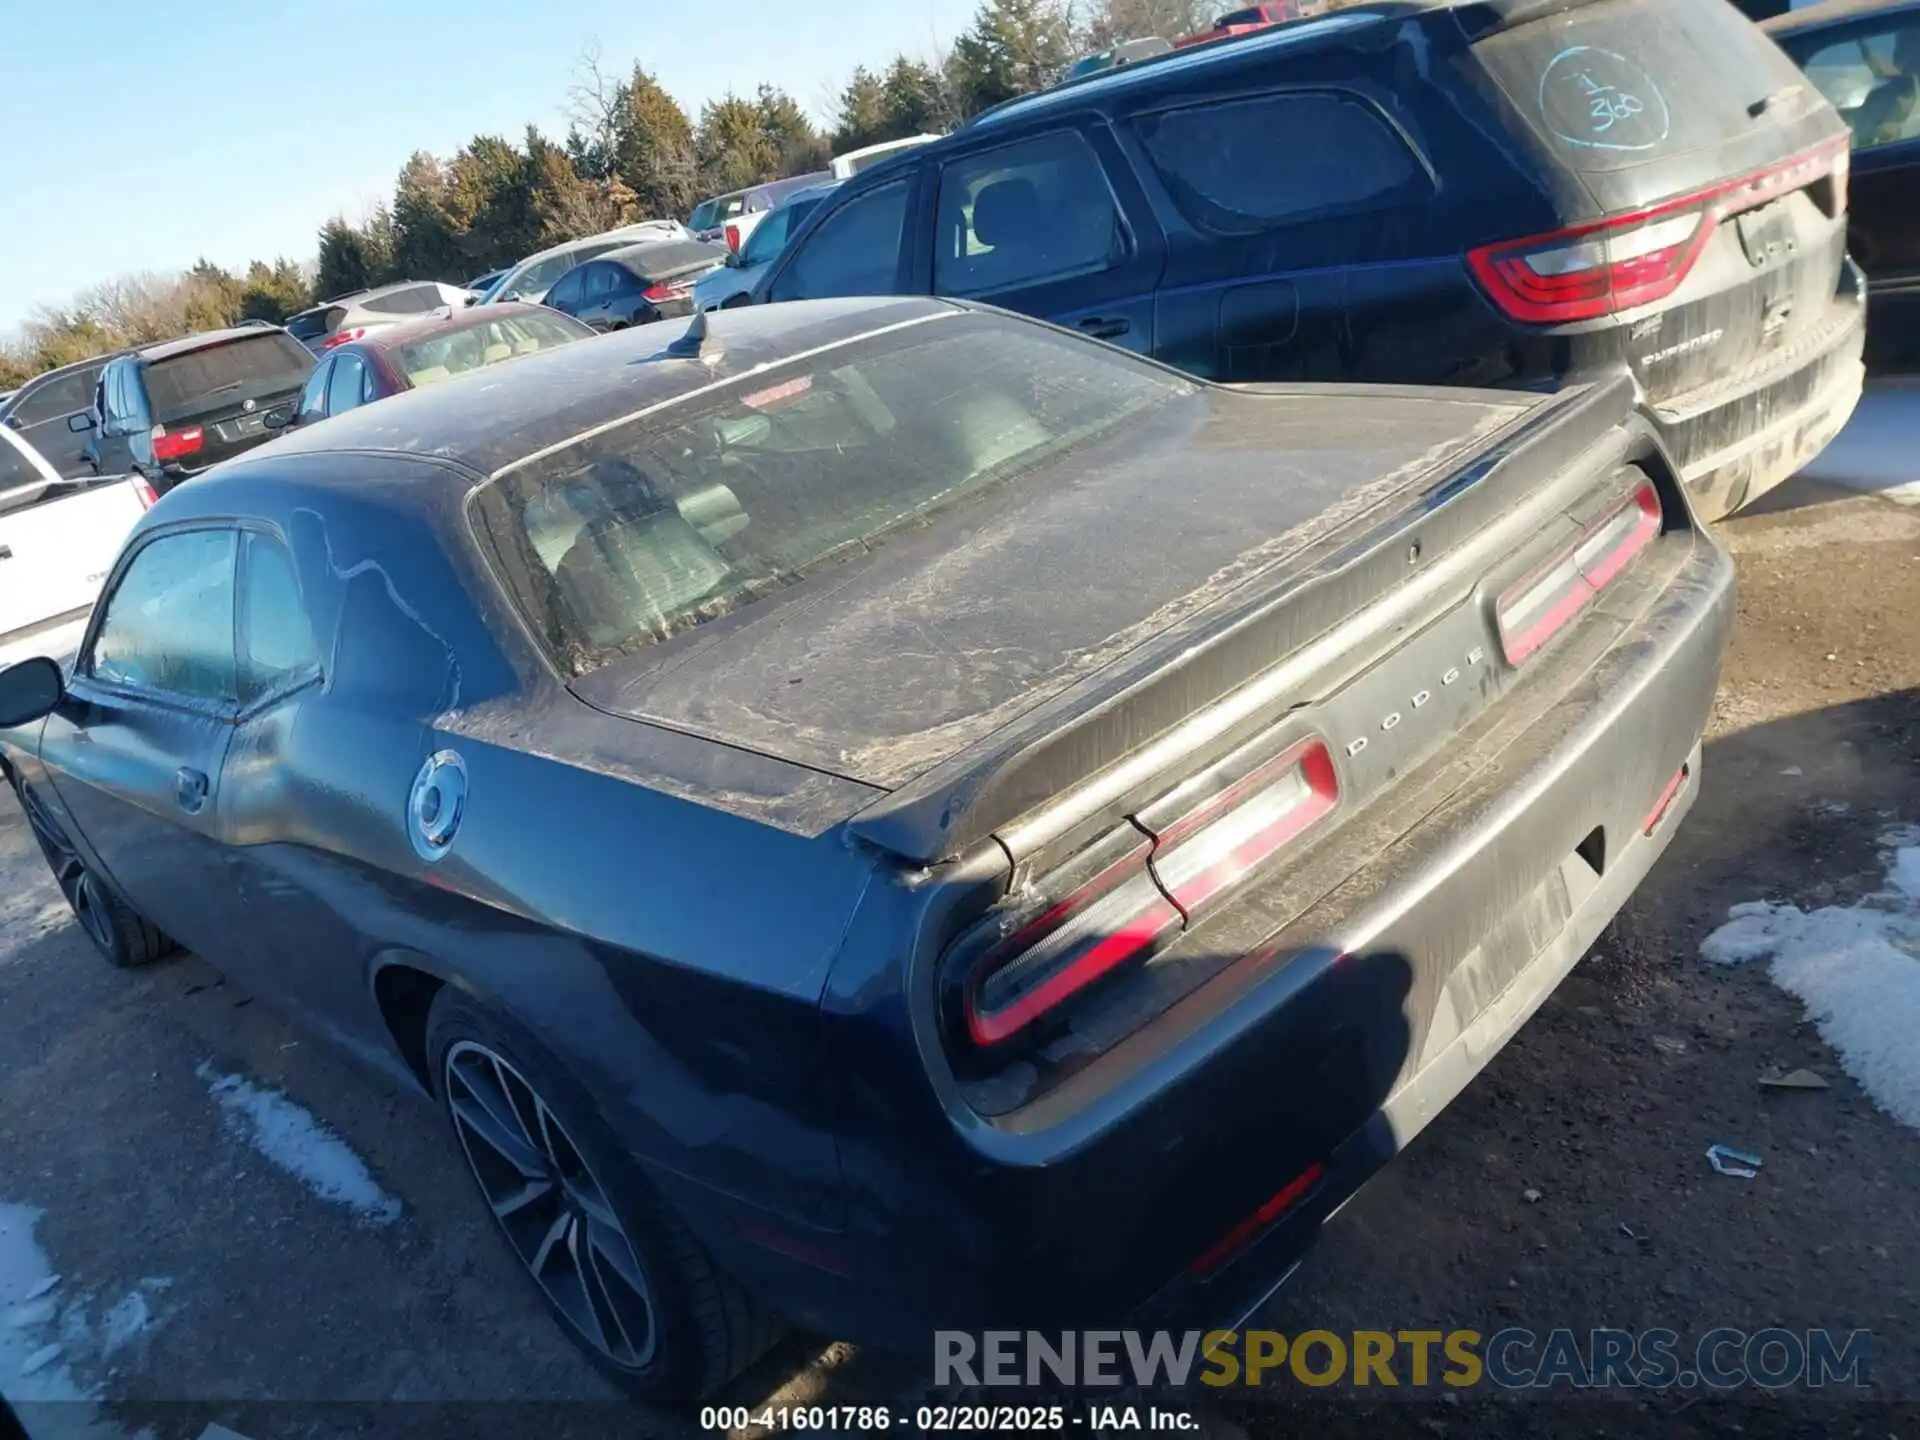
[1856,968]
[32,1367]
[127,1319]
[290,1136]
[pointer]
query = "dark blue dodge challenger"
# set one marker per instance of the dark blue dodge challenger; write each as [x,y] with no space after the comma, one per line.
[886,814]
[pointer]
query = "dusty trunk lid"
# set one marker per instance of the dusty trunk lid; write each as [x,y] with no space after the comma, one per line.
[1666,108]
[895,662]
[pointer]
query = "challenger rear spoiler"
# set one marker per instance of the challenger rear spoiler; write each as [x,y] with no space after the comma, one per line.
[1077,753]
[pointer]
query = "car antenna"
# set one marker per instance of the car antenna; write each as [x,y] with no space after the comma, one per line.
[696,344]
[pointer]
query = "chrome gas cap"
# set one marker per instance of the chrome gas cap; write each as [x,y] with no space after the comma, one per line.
[438,804]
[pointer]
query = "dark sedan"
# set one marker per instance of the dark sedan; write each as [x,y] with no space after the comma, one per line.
[406,357]
[887,813]
[636,286]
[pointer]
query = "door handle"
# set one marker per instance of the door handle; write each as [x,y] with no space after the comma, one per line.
[1105,327]
[190,789]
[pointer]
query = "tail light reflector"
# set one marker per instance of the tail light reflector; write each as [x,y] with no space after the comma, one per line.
[1642,256]
[176,444]
[1231,1243]
[1665,802]
[733,237]
[343,337]
[1532,611]
[148,496]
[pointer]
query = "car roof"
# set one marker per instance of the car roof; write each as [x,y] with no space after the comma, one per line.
[59,370]
[1828,12]
[490,418]
[205,340]
[389,337]
[1118,79]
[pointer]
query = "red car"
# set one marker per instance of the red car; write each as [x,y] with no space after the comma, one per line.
[423,352]
[1245,22]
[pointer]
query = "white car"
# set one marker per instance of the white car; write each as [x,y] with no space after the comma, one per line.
[348,317]
[732,284]
[529,281]
[845,167]
[58,539]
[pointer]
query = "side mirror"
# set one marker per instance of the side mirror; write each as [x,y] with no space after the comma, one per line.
[80,422]
[733,260]
[29,691]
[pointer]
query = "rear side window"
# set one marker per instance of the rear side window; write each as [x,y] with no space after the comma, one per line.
[57,398]
[1273,160]
[855,250]
[1872,78]
[22,483]
[257,365]
[414,300]
[276,638]
[1031,212]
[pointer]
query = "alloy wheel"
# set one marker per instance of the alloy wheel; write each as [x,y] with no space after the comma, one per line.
[552,1208]
[70,872]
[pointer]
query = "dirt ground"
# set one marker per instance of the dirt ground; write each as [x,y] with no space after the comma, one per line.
[1566,1188]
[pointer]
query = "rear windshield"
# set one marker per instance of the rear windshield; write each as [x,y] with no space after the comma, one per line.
[264,364]
[471,346]
[672,520]
[710,214]
[1612,83]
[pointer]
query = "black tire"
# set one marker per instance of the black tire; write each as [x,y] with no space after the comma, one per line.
[124,938]
[704,1329]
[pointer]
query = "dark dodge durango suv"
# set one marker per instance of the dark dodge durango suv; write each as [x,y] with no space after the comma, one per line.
[1487,192]
[888,813]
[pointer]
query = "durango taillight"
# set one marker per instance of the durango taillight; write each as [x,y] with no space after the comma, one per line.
[176,444]
[1143,890]
[1537,607]
[1640,257]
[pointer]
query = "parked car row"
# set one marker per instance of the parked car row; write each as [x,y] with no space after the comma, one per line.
[1035,842]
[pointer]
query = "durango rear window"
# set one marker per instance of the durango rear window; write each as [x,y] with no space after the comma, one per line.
[261,364]
[1613,83]
[690,513]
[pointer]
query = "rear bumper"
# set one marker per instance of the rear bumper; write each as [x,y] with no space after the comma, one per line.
[1334,1039]
[1737,438]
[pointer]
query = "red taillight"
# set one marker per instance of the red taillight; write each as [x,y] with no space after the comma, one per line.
[1212,848]
[176,444]
[149,497]
[1116,916]
[1532,611]
[342,337]
[1236,1239]
[1637,258]
[666,290]
[733,237]
[1144,896]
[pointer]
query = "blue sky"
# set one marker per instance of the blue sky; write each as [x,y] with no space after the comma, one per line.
[143,134]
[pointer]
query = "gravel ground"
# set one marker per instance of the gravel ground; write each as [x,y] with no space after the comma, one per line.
[199,1278]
